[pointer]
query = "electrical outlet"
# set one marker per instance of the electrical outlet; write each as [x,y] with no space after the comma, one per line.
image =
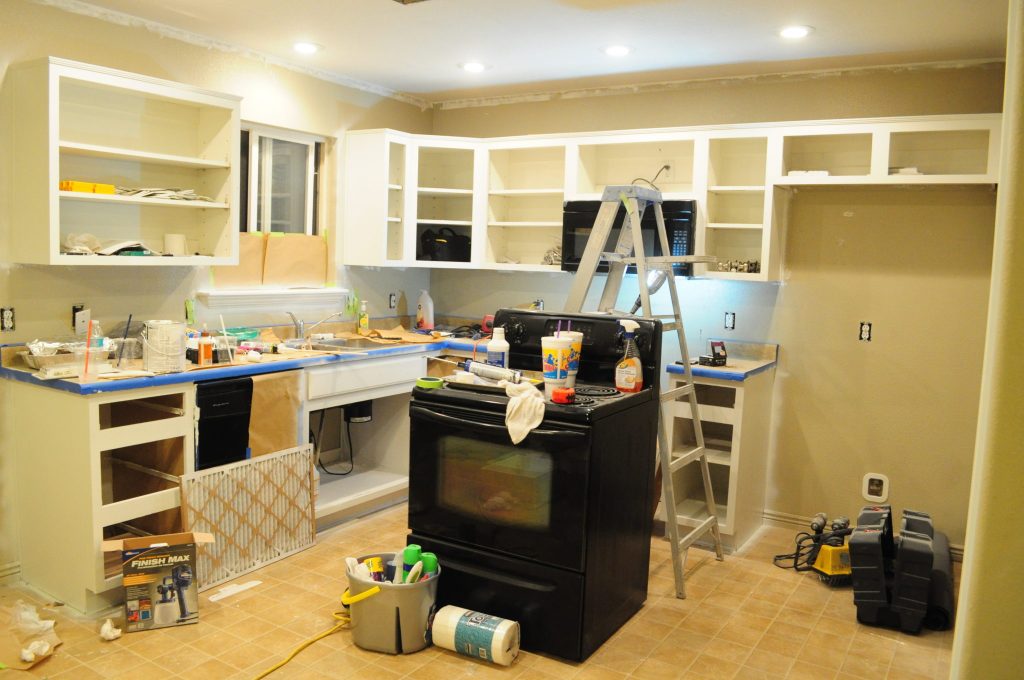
[82,321]
[865,331]
[392,300]
[730,321]
[75,309]
[6,318]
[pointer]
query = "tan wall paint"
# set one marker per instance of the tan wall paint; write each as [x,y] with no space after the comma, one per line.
[42,296]
[856,94]
[986,643]
[914,262]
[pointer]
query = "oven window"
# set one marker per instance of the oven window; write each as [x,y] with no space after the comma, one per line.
[497,482]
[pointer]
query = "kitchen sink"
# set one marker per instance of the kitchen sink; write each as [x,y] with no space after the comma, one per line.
[338,344]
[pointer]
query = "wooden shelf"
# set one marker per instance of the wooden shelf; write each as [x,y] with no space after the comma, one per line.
[525,224]
[526,192]
[445,223]
[97,151]
[438,191]
[135,200]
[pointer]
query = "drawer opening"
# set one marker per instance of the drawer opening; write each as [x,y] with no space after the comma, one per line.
[715,395]
[142,469]
[146,410]
[164,522]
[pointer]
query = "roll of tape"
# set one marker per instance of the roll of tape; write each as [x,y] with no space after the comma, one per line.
[429,383]
[481,636]
[174,244]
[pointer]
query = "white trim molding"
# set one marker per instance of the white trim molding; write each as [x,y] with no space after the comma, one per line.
[271,297]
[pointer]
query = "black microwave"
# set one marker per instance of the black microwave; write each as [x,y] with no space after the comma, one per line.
[578,221]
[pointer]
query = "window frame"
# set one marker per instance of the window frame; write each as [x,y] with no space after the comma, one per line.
[315,145]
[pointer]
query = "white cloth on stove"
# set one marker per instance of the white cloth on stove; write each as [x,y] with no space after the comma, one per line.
[525,409]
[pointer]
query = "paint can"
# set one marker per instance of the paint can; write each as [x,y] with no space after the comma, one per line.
[163,346]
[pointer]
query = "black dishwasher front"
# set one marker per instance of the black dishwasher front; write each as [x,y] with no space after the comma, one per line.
[222,435]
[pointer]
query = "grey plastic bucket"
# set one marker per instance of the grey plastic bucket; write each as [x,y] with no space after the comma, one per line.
[397,619]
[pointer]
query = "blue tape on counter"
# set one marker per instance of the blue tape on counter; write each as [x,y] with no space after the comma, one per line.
[474,633]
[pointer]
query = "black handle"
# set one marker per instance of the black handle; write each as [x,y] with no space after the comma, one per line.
[489,575]
[467,423]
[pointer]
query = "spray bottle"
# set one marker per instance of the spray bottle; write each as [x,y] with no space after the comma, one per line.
[629,373]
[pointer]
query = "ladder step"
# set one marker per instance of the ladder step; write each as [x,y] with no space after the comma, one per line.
[684,459]
[698,531]
[670,327]
[676,392]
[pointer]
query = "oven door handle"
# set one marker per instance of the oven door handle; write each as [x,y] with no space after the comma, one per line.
[445,419]
[490,575]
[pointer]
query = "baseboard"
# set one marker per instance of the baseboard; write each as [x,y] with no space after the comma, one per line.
[10,569]
[786,520]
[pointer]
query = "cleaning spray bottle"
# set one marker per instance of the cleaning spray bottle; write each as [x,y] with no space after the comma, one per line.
[629,373]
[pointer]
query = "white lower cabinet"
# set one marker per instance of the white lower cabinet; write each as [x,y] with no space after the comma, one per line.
[91,468]
[363,466]
[735,419]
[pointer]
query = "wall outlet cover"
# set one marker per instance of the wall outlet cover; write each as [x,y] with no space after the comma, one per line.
[82,321]
[6,318]
[875,487]
[392,300]
[865,331]
[730,321]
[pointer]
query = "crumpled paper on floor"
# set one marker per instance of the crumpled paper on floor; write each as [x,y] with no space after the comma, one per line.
[25,626]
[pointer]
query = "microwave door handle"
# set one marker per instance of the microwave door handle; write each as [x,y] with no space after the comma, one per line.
[445,419]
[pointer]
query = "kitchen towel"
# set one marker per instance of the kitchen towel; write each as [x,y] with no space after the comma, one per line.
[525,409]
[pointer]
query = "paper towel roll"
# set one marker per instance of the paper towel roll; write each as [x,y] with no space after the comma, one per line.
[174,244]
[481,636]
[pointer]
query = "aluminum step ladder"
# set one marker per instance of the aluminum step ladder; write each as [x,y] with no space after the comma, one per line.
[630,250]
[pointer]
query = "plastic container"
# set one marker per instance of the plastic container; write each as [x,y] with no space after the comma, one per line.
[364,319]
[497,349]
[555,362]
[629,372]
[425,311]
[575,350]
[91,369]
[397,619]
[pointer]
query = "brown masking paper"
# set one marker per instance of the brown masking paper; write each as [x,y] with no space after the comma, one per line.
[248,273]
[295,261]
[274,417]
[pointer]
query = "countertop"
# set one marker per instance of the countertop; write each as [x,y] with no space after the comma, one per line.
[100,386]
[744,360]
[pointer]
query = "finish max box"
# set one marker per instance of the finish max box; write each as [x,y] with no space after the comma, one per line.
[159,579]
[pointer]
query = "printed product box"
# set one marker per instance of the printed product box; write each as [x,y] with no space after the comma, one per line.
[159,579]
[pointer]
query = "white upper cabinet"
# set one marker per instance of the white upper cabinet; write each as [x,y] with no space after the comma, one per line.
[88,124]
[506,194]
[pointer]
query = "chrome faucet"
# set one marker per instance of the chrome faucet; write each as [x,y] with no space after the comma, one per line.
[326,318]
[299,326]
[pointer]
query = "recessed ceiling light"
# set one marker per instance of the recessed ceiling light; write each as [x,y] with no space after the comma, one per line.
[307,47]
[617,50]
[795,32]
[473,67]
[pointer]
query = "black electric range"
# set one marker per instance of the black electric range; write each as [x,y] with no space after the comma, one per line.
[553,532]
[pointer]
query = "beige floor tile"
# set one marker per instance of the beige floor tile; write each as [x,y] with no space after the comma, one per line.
[742,618]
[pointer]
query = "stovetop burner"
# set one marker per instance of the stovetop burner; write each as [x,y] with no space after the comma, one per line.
[594,391]
[583,401]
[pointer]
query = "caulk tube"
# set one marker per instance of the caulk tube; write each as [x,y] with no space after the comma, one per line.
[493,372]
[429,560]
[480,636]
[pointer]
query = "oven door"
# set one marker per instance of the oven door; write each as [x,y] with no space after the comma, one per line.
[469,483]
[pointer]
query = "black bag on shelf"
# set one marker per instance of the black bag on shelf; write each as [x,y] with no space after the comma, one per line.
[444,244]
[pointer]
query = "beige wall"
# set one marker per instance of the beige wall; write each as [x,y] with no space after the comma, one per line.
[914,262]
[42,296]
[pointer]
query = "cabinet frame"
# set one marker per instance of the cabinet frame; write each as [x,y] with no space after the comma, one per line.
[48,132]
[762,235]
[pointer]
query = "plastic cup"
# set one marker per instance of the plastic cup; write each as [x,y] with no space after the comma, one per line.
[555,361]
[97,355]
[575,349]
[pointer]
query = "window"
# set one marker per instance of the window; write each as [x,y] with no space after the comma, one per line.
[281,181]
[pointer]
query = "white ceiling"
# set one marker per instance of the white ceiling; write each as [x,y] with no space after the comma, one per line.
[546,45]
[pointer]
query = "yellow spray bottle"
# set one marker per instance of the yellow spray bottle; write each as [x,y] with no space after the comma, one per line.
[629,372]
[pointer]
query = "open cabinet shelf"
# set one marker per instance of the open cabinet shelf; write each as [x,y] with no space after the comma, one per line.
[79,122]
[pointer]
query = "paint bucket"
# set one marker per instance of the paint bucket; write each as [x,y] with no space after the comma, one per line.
[163,346]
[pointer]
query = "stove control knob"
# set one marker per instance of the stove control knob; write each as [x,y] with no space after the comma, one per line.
[515,331]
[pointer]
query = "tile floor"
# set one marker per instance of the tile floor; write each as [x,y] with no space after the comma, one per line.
[743,619]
